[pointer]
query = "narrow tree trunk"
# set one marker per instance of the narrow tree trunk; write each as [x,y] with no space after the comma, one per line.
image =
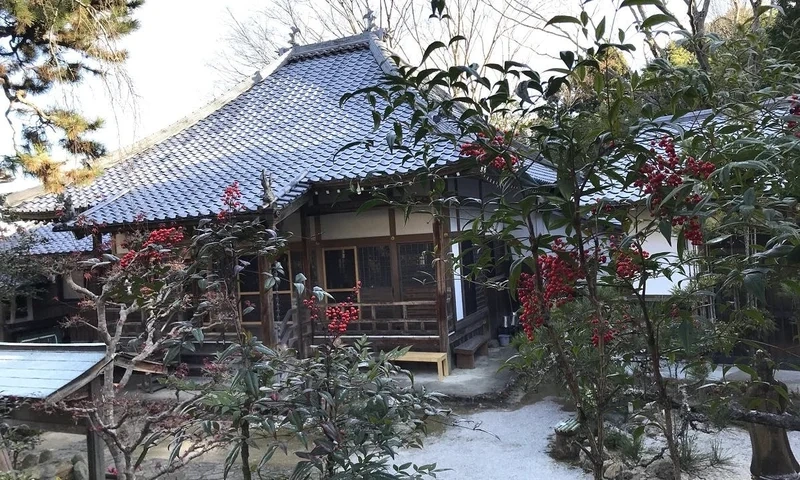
[245,451]
[663,397]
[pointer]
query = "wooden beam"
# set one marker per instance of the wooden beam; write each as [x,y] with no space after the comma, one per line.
[371,241]
[294,206]
[267,307]
[394,259]
[418,343]
[95,447]
[440,268]
[318,246]
[48,421]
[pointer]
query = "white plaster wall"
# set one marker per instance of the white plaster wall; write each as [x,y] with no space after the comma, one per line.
[370,223]
[656,243]
[119,240]
[539,227]
[417,223]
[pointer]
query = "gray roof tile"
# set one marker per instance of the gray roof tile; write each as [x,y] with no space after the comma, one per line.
[288,123]
[48,242]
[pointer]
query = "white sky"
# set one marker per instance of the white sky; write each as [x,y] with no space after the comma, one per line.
[169,72]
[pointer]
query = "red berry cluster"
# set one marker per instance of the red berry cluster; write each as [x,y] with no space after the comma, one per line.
[341,314]
[602,208]
[665,172]
[608,336]
[500,156]
[231,201]
[794,109]
[313,309]
[627,263]
[559,277]
[162,237]
[696,168]
[692,229]
[182,370]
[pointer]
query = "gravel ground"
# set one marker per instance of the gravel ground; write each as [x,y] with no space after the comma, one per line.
[513,446]
[519,450]
[489,444]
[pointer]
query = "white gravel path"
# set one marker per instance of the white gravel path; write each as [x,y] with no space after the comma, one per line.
[520,452]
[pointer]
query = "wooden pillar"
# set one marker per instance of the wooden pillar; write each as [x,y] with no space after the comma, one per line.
[267,307]
[320,268]
[301,316]
[394,257]
[440,268]
[95,447]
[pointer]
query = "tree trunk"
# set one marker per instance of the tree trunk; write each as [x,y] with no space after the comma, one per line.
[245,451]
[663,397]
[771,452]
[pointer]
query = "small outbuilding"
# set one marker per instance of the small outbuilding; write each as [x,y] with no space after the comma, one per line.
[50,373]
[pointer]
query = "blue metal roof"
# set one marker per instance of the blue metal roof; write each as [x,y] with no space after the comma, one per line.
[41,370]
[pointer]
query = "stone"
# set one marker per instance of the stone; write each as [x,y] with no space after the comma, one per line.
[64,470]
[48,471]
[80,471]
[493,343]
[613,470]
[45,456]
[34,472]
[78,458]
[661,469]
[584,462]
[625,475]
[30,460]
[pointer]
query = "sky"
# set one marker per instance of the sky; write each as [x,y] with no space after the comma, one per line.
[170,74]
[168,68]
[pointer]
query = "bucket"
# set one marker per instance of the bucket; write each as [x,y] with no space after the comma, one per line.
[503,339]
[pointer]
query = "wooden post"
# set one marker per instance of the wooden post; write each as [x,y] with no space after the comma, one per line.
[394,258]
[440,264]
[301,313]
[95,448]
[267,307]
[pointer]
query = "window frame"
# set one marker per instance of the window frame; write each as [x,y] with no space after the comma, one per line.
[354,248]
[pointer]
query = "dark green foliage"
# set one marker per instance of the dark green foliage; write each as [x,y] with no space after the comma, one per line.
[20,272]
[46,43]
[784,33]
[631,447]
[346,405]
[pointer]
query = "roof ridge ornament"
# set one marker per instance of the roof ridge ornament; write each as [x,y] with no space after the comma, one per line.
[292,41]
[67,210]
[370,18]
[268,198]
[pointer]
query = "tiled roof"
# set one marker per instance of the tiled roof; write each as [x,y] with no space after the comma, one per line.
[288,123]
[47,242]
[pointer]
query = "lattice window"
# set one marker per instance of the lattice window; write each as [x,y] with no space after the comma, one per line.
[375,273]
[340,269]
[417,278]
